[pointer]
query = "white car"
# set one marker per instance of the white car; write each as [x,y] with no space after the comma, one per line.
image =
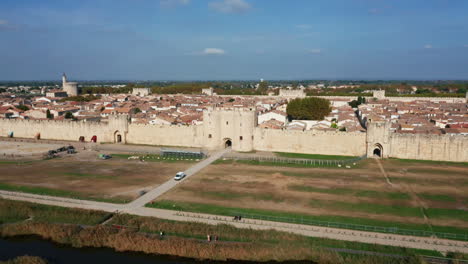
[179,176]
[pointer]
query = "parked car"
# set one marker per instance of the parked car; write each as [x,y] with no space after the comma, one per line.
[104,156]
[179,176]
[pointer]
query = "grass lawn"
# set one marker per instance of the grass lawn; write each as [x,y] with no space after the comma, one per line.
[14,211]
[275,164]
[435,162]
[281,216]
[153,158]
[437,197]
[346,191]
[313,156]
[59,193]
[19,162]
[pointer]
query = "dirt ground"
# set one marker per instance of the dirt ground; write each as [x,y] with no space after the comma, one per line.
[86,174]
[25,148]
[354,192]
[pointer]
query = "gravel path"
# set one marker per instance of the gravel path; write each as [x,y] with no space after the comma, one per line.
[441,245]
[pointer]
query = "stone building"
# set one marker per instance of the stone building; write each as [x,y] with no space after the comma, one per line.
[71,88]
[141,92]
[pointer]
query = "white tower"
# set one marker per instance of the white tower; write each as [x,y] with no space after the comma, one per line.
[70,87]
[64,80]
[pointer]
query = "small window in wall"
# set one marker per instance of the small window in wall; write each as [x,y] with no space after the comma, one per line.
[252,137]
[227,123]
[209,136]
[241,138]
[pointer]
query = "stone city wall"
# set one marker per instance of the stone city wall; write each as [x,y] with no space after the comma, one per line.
[429,147]
[57,130]
[165,135]
[311,142]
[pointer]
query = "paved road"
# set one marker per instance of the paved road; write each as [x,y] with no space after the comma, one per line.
[161,189]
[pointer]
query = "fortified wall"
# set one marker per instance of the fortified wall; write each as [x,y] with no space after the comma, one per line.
[382,142]
[66,130]
[313,142]
[293,93]
[236,128]
[165,135]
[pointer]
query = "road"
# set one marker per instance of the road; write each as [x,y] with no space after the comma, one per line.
[161,189]
[137,207]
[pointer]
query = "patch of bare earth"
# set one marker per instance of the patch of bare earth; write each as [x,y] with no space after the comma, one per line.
[269,188]
[88,175]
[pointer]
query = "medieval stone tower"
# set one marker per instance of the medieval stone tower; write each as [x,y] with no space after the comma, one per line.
[379,94]
[229,127]
[378,138]
[118,125]
[70,87]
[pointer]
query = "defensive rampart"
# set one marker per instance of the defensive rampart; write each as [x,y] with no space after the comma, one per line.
[165,135]
[313,142]
[429,147]
[57,130]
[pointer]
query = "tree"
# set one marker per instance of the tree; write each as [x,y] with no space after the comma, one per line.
[49,115]
[68,115]
[310,108]
[263,87]
[354,104]
[137,110]
[22,107]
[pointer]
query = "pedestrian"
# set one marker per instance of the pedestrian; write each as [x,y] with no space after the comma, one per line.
[216,238]
[208,238]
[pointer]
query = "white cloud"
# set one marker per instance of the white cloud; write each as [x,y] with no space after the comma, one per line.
[213,51]
[304,26]
[3,22]
[172,3]
[230,6]
[466,46]
[314,51]
[428,46]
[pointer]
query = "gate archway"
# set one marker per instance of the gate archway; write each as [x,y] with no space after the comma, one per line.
[377,151]
[227,142]
[117,137]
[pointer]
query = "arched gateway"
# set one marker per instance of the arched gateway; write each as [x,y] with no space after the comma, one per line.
[227,142]
[378,151]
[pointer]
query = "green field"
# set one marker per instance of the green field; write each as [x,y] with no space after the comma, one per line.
[313,156]
[276,164]
[18,212]
[58,193]
[280,216]
[154,158]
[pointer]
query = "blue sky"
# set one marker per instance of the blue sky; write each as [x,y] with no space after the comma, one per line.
[233,39]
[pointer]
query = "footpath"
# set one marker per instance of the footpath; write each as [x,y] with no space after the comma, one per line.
[441,245]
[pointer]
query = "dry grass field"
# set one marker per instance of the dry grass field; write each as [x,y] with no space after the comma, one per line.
[422,195]
[84,175]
